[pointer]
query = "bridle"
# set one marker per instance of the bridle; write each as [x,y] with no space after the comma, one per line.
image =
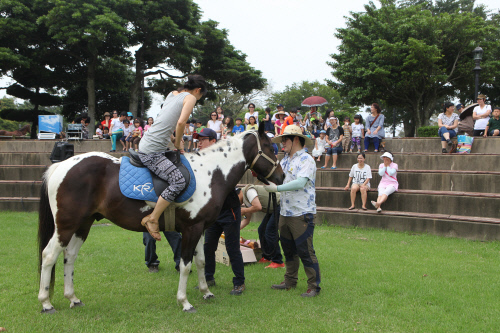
[260,153]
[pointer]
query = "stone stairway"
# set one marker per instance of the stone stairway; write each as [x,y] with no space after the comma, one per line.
[444,194]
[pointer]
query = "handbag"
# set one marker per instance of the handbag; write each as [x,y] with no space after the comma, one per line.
[464,144]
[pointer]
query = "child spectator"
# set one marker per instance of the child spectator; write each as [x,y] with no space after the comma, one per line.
[105,133]
[251,124]
[188,134]
[149,124]
[238,128]
[98,131]
[280,119]
[290,120]
[388,184]
[227,127]
[360,176]
[493,127]
[220,113]
[347,134]
[358,131]
[268,124]
[127,134]
[319,145]
[136,134]
[130,118]
[197,130]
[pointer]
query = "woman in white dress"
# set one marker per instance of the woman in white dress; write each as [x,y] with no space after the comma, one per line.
[215,124]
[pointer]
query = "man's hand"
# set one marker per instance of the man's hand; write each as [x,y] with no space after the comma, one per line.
[272,187]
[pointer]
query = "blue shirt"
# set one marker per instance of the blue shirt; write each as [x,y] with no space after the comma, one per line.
[238,129]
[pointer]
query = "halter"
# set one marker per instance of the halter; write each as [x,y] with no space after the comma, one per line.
[260,153]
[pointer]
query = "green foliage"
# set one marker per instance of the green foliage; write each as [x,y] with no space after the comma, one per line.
[427,131]
[411,55]
[292,96]
[372,281]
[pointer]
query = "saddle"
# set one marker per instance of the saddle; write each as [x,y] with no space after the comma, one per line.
[137,182]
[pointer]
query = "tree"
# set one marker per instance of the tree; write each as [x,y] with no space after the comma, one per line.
[88,31]
[292,96]
[408,56]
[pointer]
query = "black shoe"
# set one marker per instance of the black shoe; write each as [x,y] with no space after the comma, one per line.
[444,151]
[282,286]
[237,290]
[112,151]
[153,268]
[449,142]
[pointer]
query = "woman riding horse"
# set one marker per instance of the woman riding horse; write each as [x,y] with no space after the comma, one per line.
[173,116]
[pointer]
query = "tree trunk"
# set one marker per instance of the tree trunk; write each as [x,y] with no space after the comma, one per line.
[34,121]
[135,88]
[91,94]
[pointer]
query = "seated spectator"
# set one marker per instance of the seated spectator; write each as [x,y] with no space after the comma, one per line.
[465,123]
[388,184]
[116,130]
[106,123]
[493,127]
[255,199]
[188,134]
[447,122]
[227,127]
[149,124]
[238,128]
[127,133]
[374,127]
[130,117]
[334,136]
[136,134]
[252,125]
[105,134]
[83,118]
[360,176]
[319,145]
[98,131]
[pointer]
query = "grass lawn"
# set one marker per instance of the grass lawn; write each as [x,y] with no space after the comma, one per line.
[372,280]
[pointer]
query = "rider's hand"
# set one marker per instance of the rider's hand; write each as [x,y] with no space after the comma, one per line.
[272,187]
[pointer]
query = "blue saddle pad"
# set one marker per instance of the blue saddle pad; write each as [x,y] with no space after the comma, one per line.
[137,183]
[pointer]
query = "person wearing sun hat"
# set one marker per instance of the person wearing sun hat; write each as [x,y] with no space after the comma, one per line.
[388,184]
[298,211]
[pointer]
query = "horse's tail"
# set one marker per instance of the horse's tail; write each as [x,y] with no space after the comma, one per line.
[46,226]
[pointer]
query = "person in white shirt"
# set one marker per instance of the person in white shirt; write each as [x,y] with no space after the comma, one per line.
[481,114]
[360,176]
[251,112]
[215,124]
[116,130]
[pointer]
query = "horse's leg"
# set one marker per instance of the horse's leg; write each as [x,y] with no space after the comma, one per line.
[190,238]
[199,259]
[70,254]
[49,258]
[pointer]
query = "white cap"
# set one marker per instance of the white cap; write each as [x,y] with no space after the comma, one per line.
[387,154]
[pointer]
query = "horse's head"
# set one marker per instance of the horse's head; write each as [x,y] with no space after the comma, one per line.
[260,158]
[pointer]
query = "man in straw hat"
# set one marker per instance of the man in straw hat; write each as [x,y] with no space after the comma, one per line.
[298,211]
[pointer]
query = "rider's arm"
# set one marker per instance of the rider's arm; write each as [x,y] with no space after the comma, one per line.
[187,108]
[293,185]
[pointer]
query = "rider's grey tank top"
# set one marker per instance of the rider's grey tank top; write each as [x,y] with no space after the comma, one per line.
[157,138]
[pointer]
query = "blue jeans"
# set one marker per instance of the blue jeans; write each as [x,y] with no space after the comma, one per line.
[173,238]
[375,140]
[334,151]
[443,130]
[229,223]
[269,238]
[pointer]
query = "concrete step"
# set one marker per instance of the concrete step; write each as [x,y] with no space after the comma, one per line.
[19,204]
[22,172]
[36,158]
[490,145]
[455,181]
[430,202]
[473,228]
[20,188]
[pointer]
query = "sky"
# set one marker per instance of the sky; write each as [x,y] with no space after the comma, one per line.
[288,40]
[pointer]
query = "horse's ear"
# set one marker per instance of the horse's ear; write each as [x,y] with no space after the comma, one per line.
[261,128]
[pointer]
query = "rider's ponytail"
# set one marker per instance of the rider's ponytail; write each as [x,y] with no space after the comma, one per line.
[196,81]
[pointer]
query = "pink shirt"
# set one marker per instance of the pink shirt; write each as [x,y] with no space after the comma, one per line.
[146,127]
[386,179]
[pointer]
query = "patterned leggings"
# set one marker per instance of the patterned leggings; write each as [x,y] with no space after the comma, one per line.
[166,170]
[356,140]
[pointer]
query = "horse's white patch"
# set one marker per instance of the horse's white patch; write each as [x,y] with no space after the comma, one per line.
[223,156]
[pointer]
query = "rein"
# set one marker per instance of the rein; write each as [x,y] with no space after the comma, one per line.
[260,153]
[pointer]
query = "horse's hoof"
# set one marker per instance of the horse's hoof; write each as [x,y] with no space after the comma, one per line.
[48,311]
[190,310]
[208,296]
[77,304]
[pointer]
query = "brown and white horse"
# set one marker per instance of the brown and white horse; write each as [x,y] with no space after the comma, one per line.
[84,188]
[20,132]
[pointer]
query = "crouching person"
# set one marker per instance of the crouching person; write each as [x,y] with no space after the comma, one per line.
[298,211]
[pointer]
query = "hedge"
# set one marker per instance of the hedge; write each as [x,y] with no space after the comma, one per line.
[427,131]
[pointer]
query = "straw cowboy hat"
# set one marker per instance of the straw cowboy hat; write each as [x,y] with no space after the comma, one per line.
[292,130]
[280,112]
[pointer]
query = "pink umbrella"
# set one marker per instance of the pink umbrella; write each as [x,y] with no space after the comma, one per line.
[314,101]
